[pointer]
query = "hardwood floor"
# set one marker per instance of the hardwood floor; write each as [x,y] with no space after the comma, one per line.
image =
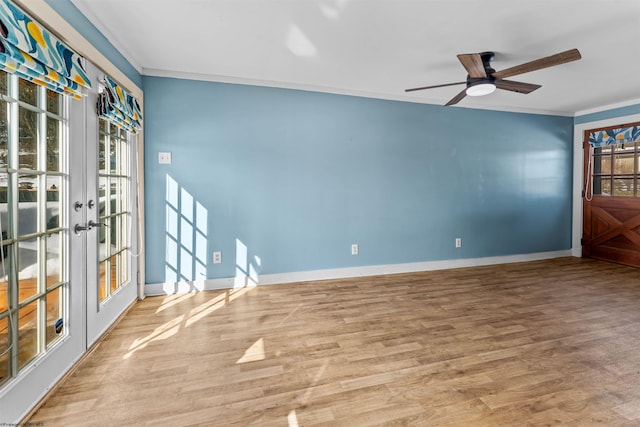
[552,342]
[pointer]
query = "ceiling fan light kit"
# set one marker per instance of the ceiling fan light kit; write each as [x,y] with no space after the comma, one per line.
[480,88]
[483,80]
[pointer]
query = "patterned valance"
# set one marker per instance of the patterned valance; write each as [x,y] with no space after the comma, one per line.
[33,53]
[119,107]
[620,135]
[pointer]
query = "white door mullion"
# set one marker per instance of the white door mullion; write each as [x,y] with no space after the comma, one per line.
[12,225]
[41,209]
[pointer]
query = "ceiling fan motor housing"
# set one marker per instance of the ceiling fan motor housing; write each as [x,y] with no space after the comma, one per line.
[473,81]
[487,57]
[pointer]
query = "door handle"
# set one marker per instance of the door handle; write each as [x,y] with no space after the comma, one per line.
[79,228]
[96,224]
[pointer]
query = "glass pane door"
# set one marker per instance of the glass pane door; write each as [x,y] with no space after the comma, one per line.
[115,210]
[42,305]
[110,243]
[33,278]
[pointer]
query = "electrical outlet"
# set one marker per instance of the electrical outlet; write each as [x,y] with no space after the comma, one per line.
[354,249]
[164,157]
[458,242]
[217,257]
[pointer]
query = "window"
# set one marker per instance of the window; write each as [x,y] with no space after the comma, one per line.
[115,212]
[616,170]
[32,189]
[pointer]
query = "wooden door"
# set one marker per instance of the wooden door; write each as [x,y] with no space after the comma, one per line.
[612,230]
[611,203]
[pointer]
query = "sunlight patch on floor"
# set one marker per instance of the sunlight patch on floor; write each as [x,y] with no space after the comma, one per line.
[172,300]
[254,353]
[160,333]
[172,327]
[292,418]
[216,303]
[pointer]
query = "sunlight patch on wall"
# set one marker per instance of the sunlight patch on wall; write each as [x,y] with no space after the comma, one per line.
[186,235]
[246,271]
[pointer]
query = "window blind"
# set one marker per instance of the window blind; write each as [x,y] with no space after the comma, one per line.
[619,135]
[119,107]
[35,54]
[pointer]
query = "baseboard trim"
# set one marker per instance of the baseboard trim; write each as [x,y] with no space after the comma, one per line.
[169,288]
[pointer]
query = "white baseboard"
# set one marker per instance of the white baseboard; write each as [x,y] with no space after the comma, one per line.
[341,273]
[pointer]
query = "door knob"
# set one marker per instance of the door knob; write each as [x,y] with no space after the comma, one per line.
[96,224]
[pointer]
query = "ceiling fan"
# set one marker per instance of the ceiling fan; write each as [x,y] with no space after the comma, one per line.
[483,80]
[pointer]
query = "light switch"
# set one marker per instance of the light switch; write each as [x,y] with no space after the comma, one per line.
[164,157]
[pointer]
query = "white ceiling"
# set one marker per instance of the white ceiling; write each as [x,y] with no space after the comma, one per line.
[378,48]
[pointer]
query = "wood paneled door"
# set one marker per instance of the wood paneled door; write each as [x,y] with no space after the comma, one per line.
[611,202]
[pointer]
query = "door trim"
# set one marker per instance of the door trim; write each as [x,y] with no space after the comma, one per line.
[578,173]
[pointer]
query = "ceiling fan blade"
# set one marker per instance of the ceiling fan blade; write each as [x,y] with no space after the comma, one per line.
[539,64]
[519,87]
[433,87]
[457,98]
[472,62]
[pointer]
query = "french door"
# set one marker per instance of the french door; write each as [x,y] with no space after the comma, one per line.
[41,310]
[110,221]
[67,219]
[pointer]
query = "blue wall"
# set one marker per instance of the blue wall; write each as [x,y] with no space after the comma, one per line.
[74,17]
[608,114]
[283,180]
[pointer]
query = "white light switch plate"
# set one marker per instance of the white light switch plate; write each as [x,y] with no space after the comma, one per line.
[164,158]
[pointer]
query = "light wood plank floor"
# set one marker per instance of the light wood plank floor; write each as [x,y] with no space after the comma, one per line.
[552,342]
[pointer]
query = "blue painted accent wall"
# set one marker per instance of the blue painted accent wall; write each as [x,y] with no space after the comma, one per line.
[608,114]
[73,16]
[283,180]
